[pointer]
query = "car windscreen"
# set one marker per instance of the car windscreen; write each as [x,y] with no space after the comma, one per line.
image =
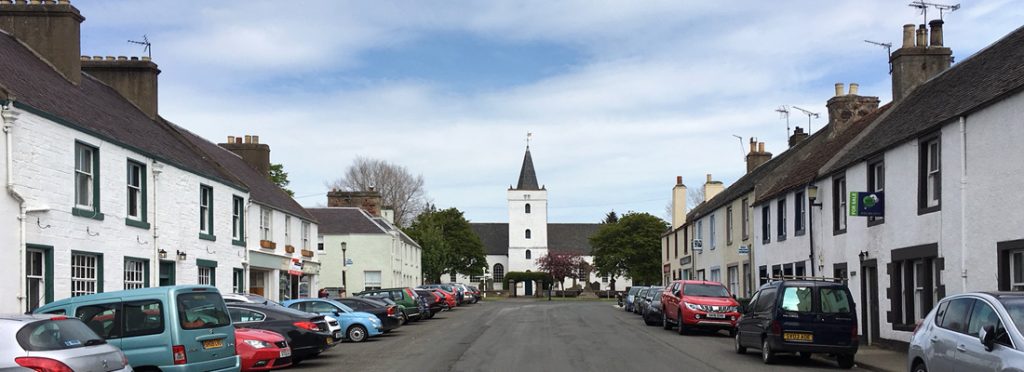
[834,300]
[199,310]
[797,299]
[1015,307]
[49,335]
[654,292]
[705,290]
[633,291]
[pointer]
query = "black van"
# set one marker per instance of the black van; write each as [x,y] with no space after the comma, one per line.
[800,316]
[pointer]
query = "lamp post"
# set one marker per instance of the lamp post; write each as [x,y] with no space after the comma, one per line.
[812,196]
[344,266]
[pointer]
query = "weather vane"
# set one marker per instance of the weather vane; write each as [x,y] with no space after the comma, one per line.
[148,49]
[528,135]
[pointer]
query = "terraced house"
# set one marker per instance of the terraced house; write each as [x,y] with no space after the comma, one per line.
[103,194]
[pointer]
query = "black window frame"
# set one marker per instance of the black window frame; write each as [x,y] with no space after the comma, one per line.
[766,224]
[839,205]
[799,213]
[901,282]
[780,219]
[728,225]
[745,206]
[924,144]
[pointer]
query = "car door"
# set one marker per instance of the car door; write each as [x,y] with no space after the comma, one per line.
[951,322]
[745,326]
[971,354]
[104,318]
[761,319]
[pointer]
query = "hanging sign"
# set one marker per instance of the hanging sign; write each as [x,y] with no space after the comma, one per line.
[296,267]
[867,204]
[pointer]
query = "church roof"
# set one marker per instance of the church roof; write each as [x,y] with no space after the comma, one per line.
[561,237]
[527,175]
[494,236]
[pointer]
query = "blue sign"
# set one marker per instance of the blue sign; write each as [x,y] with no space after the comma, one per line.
[348,262]
[744,249]
[867,204]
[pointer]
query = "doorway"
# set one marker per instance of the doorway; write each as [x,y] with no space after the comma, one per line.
[166,273]
[869,299]
[529,288]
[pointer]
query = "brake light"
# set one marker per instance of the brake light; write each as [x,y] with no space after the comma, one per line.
[42,364]
[307,325]
[917,327]
[124,359]
[178,352]
[776,327]
[59,317]
[391,310]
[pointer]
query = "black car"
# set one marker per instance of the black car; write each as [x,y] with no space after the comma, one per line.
[389,315]
[434,304]
[307,334]
[800,316]
[652,306]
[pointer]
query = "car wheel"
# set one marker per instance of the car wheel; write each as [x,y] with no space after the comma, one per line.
[740,349]
[767,355]
[919,367]
[357,333]
[682,326]
[664,322]
[845,361]
[405,319]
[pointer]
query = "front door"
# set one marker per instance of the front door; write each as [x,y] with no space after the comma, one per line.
[529,288]
[166,273]
[869,299]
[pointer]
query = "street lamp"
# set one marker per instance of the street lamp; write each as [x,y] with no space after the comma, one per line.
[344,265]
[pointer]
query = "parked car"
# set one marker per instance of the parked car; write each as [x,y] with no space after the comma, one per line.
[477,295]
[403,296]
[699,305]
[800,316]
[652,312]
[247,298]
[183,327]
[435,301]
[448,297]
[629,298]
[978,331]
[387,314]
[638,300]
[307,334]
[55,343]
[356,326]
[262,350]
[454,290]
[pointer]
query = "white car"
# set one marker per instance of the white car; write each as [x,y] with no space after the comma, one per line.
[975,331]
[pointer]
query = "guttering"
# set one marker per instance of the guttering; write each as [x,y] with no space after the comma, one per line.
[8,117]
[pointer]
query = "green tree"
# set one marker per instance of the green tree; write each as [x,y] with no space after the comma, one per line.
[611,217]
[630,247]
[449,245]
[280,178]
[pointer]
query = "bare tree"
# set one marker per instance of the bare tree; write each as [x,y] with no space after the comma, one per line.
[398,188]
[694,197]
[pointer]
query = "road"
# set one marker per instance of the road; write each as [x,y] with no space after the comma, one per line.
[527,335]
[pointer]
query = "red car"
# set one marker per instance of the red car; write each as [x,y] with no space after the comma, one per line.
[262,350]
[699,304]
[449,297]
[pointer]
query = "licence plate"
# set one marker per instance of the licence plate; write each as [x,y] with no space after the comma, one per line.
[286,352]
[716,315]
[213,344]
[800,337]
[330,340]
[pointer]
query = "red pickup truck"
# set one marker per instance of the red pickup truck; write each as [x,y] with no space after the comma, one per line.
[699,304]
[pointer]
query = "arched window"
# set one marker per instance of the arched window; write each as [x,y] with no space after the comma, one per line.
[527,207]
[528,254]
[499,273]
[527,233]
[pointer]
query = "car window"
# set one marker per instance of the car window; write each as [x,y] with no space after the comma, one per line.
[142,318]
[1015,307]
[981,316]
[199,310]
[102,319]
[245,315]
[753,303]
[940,311]
[49,335]
[320,307]
[301,306]
[834,300]
[766,300]
[955,318]
[797,299]
[705,290]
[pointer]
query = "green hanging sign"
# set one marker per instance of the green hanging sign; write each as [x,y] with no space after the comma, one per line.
[867,204]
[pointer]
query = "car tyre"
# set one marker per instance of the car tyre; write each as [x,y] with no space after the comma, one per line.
[682,326]
[356,333]
[845,361]
[664,322]
[767,355]
[740,349]
[919,367]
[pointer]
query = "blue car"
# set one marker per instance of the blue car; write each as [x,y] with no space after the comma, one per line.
[356,325]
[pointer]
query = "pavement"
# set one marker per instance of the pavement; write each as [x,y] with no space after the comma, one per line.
[538,335]
[881,360]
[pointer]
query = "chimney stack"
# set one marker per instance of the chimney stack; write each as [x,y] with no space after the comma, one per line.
[678,203]
[845,109]
[254,153]
[916,61]
[798,136]
[52,29]
[368,201]
[757,155]
[135,78]
[712,188]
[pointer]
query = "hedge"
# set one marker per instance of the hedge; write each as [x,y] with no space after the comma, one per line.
[519,276]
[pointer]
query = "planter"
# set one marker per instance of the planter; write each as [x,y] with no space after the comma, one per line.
[307,253]
[267,244]
[289,249]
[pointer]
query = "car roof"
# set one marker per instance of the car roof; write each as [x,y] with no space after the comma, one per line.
[27,318]
[708,282]
[1002,295]
[151,291]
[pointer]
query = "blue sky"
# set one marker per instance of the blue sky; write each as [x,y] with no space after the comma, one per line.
[622,96]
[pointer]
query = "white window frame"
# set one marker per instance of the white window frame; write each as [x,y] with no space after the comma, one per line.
[305,234]
[84,174]
[370,284]
[933,172]
[288,230]
[84,274]
[33,257]
[205,202]
[733,276]
[134,190]
[205,275]
[266,224]
[134,274]
[711,231]
[237,208]
[715,274]
[842,200]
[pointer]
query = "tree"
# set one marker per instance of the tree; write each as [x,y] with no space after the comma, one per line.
[611,217]
[398,188]
[630,248]
[449,245]
[561,265]
[694,197]
[280,178]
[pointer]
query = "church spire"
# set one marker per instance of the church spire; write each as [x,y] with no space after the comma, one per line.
[527,176]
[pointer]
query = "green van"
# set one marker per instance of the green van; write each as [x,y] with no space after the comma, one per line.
[176,328]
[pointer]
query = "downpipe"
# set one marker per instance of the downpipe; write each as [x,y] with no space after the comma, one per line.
[8,117]
[963,203]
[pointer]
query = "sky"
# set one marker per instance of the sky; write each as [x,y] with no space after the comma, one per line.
[621,96]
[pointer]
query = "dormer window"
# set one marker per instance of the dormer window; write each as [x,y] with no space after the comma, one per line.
[528,234]
[527,207]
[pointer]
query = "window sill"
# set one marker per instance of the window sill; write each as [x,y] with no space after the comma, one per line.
[209,237]
[766,241]
[876,222]
[240,243]
[94,214]
[136,223]
[926,210]
[781,239]
[838,232]
[903,327]
[800,233]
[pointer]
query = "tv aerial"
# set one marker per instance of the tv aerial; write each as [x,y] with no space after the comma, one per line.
[784,113]
[809,116]
[148,47]
[923,6]
[888,51]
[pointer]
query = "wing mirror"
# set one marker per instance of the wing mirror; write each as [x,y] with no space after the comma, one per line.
[337,313]
[987,335]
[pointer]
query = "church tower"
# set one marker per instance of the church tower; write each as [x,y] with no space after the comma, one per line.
[527,219]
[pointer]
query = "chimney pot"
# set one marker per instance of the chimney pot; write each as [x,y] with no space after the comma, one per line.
[122,58]
[854,87]
[255,139]
[839,89]
[760,147]
[134,58]
[84,58]
[231,139]
[936,40]
[709,177]
[753,145]
[922,36]
[248,139]
[679,180]
[908,36]
[110,58]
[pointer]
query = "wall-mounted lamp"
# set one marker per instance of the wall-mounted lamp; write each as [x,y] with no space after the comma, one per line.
[812,195]
[163,254]
[863,255]
[182,256]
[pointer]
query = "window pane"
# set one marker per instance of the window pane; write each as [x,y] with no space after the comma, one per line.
[982,316]
[82,194]
[143,318]
[1017,265]
[202,310]
[835,300]
[797,299]
[102,319]
[955,318]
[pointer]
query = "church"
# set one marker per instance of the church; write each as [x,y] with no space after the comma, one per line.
[516,245]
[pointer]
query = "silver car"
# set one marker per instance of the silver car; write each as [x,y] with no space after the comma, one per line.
[55,343]
[971,332]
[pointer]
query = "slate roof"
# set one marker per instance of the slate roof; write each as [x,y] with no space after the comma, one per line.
[806,160]
[345,220]
[527,175]
[494,236]
[561,237]
[741,187]
[975,82]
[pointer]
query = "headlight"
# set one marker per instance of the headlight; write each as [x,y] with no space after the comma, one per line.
[257,343]
[693,306]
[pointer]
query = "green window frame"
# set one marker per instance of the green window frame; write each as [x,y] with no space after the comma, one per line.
[238,220]
[87,181]
[130,274]
[170,274]
[238,280]
[206,213]
[136,194]
[47,252]
[208,265]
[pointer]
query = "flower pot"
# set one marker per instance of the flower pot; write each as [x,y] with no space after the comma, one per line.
[307,253]
[289,249]
[267,244]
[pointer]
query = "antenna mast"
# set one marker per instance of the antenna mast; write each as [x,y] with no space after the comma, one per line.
[888,51]
[783,112]
[148,47]
[809,116]
[742,153]
[921,4]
